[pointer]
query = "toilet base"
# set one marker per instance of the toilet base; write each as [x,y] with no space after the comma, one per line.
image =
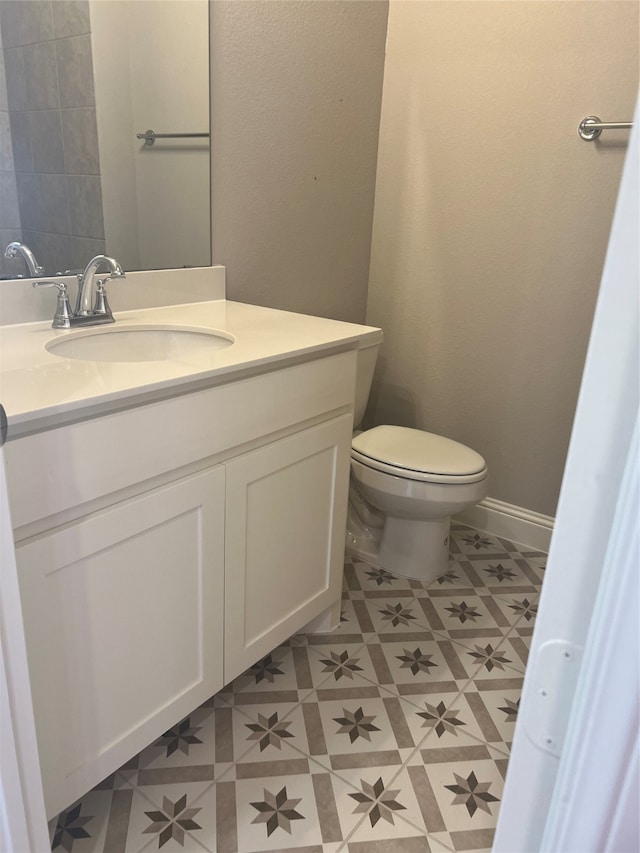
[405,547]
[415,549]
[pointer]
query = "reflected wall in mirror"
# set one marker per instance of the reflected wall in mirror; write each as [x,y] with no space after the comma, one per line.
[78,80]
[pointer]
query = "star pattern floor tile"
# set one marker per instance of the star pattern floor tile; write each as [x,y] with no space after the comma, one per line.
[390,734]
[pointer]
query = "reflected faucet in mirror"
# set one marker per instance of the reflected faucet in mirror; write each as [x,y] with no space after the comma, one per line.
[14,249]
[92,307]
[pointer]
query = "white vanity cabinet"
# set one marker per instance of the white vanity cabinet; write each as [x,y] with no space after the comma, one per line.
[164,548]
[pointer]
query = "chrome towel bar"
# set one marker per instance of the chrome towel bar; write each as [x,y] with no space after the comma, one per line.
[150,136]
[591,127]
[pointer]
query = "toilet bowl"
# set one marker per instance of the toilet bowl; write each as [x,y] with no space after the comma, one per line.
[405,485]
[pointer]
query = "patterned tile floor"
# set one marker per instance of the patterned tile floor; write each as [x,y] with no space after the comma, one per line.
[390,735]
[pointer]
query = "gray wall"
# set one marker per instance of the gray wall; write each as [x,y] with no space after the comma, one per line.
[491,215]
[296,90]
[492,219]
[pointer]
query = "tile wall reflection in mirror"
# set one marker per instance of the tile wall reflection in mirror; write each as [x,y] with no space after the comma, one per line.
[78,80]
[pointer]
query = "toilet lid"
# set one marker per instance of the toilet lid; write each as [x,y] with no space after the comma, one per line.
[417,454]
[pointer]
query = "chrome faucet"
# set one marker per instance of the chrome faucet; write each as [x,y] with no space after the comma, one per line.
[92,307]
[14,249]
[87,289]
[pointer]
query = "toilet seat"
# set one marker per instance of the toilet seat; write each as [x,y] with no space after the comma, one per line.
[417,455]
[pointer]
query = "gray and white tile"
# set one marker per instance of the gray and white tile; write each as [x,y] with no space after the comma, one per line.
[502,574]
[458,790]
[170,817]
[420,664]
[494,703]
[446,720]
[359,728]
[339,664]
[83,827]
[283,676]
[463,615]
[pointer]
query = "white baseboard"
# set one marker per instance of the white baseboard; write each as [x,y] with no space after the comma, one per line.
[510,522]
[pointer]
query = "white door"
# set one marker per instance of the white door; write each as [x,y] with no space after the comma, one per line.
[572,783]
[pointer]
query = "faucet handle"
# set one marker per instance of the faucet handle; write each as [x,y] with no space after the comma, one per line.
[102,304]
[61,285]
[62,317]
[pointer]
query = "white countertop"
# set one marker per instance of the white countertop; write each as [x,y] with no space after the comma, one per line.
[40,390]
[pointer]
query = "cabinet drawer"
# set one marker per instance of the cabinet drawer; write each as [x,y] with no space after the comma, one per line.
[62,468]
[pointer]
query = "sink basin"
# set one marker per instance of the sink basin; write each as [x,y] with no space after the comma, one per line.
[139,343]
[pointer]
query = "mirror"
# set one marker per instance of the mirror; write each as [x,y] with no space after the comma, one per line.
[78,80]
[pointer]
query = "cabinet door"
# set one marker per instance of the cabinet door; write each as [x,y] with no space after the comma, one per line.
[124,618]
[284,540]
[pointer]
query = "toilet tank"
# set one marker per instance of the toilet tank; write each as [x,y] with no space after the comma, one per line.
[366,364]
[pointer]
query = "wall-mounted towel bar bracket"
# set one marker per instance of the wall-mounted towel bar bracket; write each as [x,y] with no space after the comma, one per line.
[591,127]
[150,136]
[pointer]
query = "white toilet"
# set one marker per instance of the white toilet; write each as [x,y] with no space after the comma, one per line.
[405,485]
